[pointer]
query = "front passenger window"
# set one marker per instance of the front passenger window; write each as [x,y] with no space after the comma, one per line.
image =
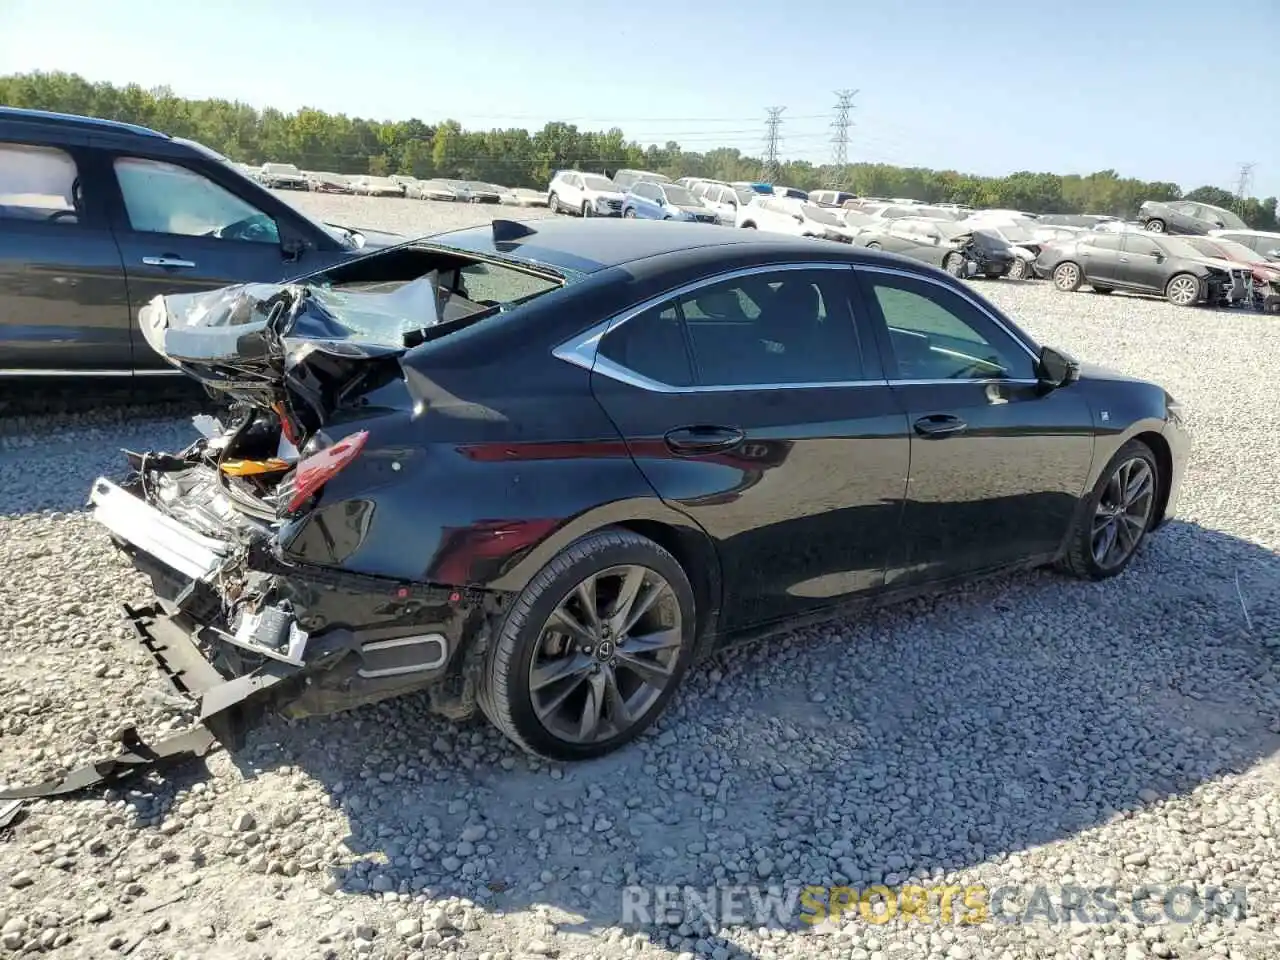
[938,335]
[166,198]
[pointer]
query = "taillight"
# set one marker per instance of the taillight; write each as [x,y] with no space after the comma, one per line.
[319,468]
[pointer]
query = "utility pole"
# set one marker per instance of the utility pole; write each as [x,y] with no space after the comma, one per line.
[1243,179]
[836,176]
[769,168]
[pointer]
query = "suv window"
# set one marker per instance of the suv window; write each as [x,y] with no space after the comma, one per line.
[163,197]
[938,335]
[790,326]
[37,183]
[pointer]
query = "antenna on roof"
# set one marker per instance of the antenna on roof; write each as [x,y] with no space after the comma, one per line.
[505,231]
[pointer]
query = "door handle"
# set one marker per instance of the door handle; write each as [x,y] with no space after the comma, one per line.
[939,425]
[1124,259]
[691,441]
[168,262]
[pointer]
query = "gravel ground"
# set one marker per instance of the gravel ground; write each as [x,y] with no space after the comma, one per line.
[1032,731]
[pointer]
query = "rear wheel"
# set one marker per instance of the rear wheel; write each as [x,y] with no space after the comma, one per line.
[586,208]
[1116,517]
[1182,290]
[1019,269]
[1067,277]
[748,225]
[874,246]
[592,649]
[553,202]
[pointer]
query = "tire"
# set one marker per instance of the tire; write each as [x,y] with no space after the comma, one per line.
[1183,290]
[553,202]
[629,213]
[586,209]
[506,694]
[1271,304]
[1018,269]
[1155,226]
[1103,290]
[953,263]
[1067,276]
[874,246]
[748,225]
[1080,559]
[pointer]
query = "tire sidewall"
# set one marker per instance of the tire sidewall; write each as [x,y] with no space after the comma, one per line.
[547,594]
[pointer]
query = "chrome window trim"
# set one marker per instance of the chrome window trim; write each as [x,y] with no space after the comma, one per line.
[583,350]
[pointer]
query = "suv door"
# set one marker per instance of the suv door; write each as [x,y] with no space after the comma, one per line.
[63,300]
[997,464]
[181,231]
[749,404]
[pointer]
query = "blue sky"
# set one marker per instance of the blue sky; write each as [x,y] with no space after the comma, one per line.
[1150,88]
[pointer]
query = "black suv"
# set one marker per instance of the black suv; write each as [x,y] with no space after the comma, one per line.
[97,217]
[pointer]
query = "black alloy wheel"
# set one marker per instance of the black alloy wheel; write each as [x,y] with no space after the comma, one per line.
[593,648]
[1117,515]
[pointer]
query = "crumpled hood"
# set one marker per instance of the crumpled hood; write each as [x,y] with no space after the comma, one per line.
[373,239]
[1222,264]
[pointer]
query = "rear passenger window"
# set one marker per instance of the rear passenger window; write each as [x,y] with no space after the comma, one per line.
[787,327]
[39,184]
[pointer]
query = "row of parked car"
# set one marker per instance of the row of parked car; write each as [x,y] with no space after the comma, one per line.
[286,176]
[1188,252]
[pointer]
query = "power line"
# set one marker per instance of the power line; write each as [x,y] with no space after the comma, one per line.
[769,165]
[840,140]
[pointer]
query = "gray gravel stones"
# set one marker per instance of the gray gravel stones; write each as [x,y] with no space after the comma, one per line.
[1030,732]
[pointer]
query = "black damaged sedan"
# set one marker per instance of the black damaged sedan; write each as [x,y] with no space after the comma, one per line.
[537,470]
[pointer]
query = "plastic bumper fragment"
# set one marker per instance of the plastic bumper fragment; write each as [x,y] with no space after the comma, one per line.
[228,709]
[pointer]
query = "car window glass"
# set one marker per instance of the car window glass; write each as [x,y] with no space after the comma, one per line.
[1140,246]
[786,327]
[1105,241]
[37,183]
[166,198]
[652,345]
[938,335]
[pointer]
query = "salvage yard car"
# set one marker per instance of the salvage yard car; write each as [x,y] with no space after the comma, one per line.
[588,194]
[647,200]
[522,468]
[1186,216]
[1145,263]
[96,215]
[959,249]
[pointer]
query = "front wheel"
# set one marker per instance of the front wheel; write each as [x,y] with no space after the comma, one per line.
[553,203]
[586,208]
[629,213]
[593,648]
[1182,290]
[1067,277]
[954,264]
[1117,516]
[1019,269]
[1154,226]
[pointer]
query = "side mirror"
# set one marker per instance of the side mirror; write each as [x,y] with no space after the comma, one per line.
[1056,369]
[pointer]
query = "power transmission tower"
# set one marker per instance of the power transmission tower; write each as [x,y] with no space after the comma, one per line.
[1243,179]
[769,169]
[836,176]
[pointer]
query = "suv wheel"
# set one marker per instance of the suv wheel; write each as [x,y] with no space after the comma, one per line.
[553,202]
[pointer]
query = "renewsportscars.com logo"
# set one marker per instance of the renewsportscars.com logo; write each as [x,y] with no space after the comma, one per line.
[813,906]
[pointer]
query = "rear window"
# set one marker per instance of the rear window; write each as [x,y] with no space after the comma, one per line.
[37,183]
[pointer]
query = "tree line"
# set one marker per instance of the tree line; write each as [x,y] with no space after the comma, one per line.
[317,140]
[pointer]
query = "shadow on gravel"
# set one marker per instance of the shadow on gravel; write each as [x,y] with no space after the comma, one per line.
[920,739]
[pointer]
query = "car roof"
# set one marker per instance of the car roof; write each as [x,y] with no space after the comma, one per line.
[75,120]
[597,243]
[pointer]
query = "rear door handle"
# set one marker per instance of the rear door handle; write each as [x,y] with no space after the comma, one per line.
[176,262]
[691,441]
[939,425]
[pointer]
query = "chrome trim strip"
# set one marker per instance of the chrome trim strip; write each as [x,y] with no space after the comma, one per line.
[583,350]
[1021,382]
[49,372]
[151,531]
[170,372]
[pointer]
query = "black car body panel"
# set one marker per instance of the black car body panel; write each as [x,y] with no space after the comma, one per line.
[71,283]
[470,455]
